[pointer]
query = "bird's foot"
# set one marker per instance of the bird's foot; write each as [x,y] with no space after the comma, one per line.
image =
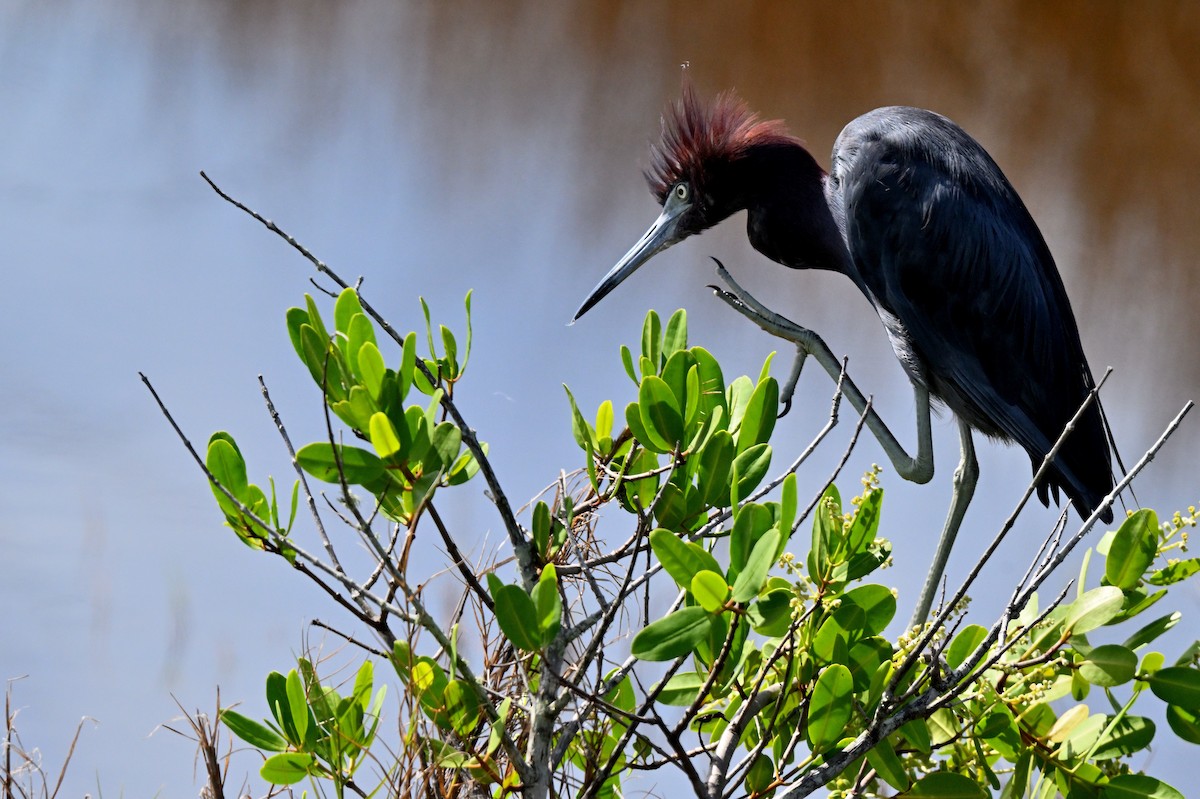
[779,326]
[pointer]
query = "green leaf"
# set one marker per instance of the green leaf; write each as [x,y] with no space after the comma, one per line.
[548,604]
[297,703]
[966,642]
[1094,609]
[580,429]
[710,590]
[372,368]
[715,468]
[627,362]
[1138,786]
[754,575]
[682,688]
[672,636]
[760,775]
[1132,550]
[227,466]
[408,365]
[771,615]
[320,459]
[752,521]
[633,418]
[1153,630]
[660,413]
[865,525]
[1175,572]
[948,785]
[383,436]
[1177,685]
[749,468]
[758,420]
[287,768]
[344,309]
[675,375]
[462,705]
[652,340]
[681,559]
[517,617]
[887,764]
[830,707]
[876,604]
[1109,665]
[252,732]
[1184,723]
[445,444]
[675,339]
[1129,735]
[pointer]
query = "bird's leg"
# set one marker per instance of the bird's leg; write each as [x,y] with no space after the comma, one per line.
[918,469]
[965,477]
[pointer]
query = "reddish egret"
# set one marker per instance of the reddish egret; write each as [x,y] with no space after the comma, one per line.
[919,216]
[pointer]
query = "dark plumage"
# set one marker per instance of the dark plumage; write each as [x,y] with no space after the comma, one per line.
[919,216]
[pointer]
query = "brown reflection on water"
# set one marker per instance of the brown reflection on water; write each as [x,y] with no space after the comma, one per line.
[1091,109]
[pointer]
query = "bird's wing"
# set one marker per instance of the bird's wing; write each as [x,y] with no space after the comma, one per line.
[946,247]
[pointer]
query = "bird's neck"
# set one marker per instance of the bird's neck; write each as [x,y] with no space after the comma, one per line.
[790,220]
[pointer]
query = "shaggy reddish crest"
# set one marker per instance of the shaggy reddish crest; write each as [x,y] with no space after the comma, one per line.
[696,135]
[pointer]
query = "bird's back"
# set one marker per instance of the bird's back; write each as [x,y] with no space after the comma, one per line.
[966,286]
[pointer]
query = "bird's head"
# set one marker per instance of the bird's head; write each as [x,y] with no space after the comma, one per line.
[694,174]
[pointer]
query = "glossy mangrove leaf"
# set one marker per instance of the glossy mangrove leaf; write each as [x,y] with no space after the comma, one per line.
[1132,550]
[633,418]
[674,374]
[681,559]
[661,416]
[754,575]
[758,419]
[683,687]
[672,636]
[1184,722]
[1094,609]
[716,465]
[320,459]
[627,362]
[297,703]
[445,443]
[1177,685]
[1109,665]
[888,766]
[771,615]
[760,775]
[372,368]
[830,707]
[517,617]
[710,590]
[675,337]
[865,525]
[966,642]
[1175,572]
[227,466]
[252,732]
[462,706]
[1129,735]
[752,522]
[287,768]
[749,468]
[947,785]
[737,396]
[547,604]
[652,341]
[1138,786]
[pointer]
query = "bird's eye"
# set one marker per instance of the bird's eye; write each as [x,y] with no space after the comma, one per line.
[681,192]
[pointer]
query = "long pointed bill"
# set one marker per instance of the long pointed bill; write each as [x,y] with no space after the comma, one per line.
[661,235]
